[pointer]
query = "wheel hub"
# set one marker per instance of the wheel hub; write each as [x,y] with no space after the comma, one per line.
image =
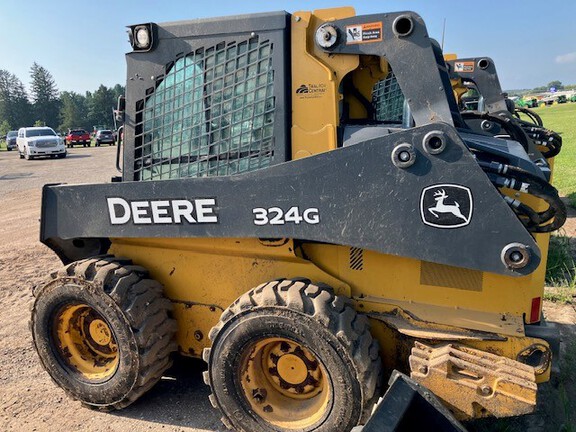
[292,369]
[285,384]
[85,342]
[100,332]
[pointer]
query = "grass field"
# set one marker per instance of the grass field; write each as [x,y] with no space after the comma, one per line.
[562,119]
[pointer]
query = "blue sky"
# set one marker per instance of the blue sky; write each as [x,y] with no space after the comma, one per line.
[82,43]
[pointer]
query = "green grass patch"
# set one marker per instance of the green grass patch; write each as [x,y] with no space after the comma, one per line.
[572,200]
[562,119]
[560,270]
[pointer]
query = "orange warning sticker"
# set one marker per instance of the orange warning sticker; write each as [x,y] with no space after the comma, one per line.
[464,66]
[364,33]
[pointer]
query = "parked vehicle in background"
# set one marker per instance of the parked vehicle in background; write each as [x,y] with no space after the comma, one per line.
[11,140]
[39,141]
[104,137]
[78,136]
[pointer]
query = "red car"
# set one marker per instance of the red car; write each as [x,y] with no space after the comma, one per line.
[77,136]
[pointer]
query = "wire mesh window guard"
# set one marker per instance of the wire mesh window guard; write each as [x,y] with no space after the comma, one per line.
[212,114]
[388,100]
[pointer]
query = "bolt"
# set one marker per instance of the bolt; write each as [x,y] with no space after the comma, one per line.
[423,369]
[516,257]
[259,395]
[198,335]
[404,156]
[297,19]
[486,390]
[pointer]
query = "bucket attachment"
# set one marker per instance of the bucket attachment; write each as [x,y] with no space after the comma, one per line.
[407,406]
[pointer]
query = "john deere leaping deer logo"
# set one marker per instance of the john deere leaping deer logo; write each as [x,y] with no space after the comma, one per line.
[446,206]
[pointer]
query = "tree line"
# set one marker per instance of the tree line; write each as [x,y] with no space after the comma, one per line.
[46,106]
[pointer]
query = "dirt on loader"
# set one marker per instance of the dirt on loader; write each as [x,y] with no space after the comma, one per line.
[30,401]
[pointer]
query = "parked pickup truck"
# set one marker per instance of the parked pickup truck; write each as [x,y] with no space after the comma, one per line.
[77,136]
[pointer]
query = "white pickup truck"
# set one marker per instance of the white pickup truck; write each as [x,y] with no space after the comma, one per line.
[39,141]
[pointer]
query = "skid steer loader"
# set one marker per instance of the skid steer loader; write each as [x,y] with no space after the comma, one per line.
[497,115]
[275,217]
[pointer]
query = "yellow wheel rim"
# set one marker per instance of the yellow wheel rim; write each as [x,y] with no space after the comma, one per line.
[85,342]
[285,384]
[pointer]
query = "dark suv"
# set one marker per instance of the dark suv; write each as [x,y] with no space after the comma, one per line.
[104,136]
[11,140]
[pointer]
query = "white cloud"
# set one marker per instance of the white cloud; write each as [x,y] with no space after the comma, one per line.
[566,58]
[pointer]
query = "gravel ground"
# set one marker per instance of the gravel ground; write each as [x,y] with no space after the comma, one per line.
[29,400]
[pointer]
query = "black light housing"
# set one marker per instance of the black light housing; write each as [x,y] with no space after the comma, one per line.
[142,37]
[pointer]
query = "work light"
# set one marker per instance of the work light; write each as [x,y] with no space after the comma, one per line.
[141,37]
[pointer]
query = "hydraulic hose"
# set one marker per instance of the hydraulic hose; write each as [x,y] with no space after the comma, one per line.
[532,115]
[509,125]
[522,181]
[545,138]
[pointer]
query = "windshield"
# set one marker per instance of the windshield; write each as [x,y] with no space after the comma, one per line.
[78,132]
[40,132]
[12,134]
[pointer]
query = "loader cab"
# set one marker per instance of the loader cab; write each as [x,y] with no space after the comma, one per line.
[204,101]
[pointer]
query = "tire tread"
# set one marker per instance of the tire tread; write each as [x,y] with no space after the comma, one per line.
[146,310]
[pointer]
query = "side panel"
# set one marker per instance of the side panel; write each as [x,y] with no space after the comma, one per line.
[202,277]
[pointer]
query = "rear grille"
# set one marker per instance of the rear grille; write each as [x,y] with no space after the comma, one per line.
[388,99]
[211,114]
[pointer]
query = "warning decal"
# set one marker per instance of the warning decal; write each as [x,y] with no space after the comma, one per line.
[364,33]
[464,66]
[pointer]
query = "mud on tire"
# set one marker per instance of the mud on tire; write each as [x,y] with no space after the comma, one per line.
[290,355]
[103,331]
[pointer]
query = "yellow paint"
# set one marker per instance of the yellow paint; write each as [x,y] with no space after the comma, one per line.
[84,342]
[204,276]
[292,369]
[315,115]
[281,388]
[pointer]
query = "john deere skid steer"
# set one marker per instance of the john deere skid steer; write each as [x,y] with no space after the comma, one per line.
[497,115]
[302,205]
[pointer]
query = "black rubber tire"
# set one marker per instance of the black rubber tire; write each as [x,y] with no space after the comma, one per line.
[309,314]
[136,312]
[61,155]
